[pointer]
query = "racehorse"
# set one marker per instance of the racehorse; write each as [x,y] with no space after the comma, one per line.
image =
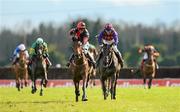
[109,70]
[148,69]
[92,71]
[20,69]
[79,69]
[38,70]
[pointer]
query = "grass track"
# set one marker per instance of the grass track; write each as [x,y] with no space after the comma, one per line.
[158,99]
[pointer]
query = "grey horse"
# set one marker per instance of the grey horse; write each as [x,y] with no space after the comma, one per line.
[108,69]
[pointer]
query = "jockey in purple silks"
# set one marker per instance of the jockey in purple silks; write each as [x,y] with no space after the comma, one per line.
[109,36]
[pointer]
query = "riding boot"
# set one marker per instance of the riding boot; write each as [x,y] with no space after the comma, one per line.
[156,65]
[120,60]
[91,60]
[48,62]
[70,60]
[142,63]
[98,59]
[15,60]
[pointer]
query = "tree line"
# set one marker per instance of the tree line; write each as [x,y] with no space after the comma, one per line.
[165,38]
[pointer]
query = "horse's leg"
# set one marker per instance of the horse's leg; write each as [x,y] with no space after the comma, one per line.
[94,77]
[104,88]
[77,92]
[88,78]
[150,82]
[22,78]
[41,91]
[144,82]
[26,77]
[45,77]
[108,85]
[112,86]
[18,81]
[21,81]
[115,89]
[84,96]
[34,89]
[17,77]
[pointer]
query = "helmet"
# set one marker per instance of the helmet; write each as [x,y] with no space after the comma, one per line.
[39,41]
[81,25]
[22,47]
[108,26]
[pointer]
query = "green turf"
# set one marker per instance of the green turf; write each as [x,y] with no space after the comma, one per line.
[158,99]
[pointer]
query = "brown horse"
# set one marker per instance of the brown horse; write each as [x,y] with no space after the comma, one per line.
[109,70]
[92,71]
[148,69]
[20,69]
[79,69]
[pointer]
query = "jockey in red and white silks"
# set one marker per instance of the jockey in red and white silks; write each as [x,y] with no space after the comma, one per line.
[80,33]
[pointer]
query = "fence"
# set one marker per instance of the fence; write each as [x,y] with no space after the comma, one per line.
[64,73]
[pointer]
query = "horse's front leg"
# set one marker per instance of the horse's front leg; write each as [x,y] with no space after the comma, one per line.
[144,82]
[103,85]
[84,96]
[45,79]
[26,77]
[34,89]
[113,86]
[18,81]
[150,82]
[77,92]
[41,91]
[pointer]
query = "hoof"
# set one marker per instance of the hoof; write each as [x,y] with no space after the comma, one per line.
[85,99]
[41,94]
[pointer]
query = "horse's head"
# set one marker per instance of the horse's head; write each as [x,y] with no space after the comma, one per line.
[150,53]
[77,49]
[39,51]
[22,58]
[107,55]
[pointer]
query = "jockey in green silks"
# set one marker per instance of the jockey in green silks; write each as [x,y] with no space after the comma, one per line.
[40,41]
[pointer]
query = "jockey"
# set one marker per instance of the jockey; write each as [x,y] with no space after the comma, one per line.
[40,41]
[145,57]
[109,36]
[80,33]
[20,47]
